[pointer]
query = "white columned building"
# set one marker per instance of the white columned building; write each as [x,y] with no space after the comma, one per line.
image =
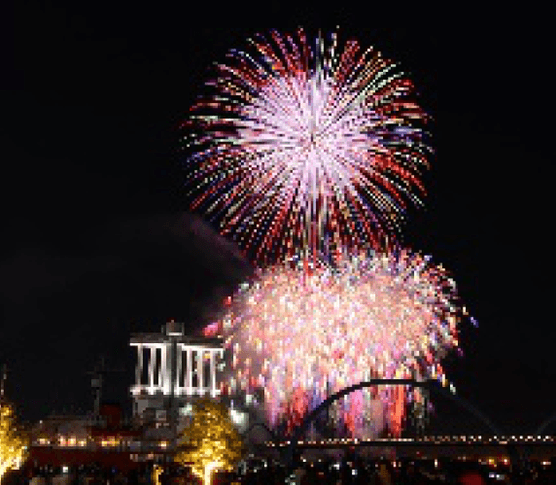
[173,370]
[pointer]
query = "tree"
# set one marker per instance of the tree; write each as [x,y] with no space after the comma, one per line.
[210,441]
[13,443]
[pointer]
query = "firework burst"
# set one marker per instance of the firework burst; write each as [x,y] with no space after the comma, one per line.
[304,331]
[306,146]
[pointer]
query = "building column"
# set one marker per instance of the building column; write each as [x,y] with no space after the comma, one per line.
[163,370]
[189,371]
[152,360]
[139,367]
[179,369]
[212,374]
[200,372]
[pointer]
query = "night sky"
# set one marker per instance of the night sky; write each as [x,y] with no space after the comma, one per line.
[97,241]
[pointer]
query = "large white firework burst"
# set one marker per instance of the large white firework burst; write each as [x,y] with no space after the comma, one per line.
[300,146]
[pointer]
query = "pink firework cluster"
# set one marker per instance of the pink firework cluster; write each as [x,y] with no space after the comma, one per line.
[301,146]
[302,333]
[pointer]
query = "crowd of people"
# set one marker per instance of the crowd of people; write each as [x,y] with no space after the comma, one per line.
[357,471]
[351,470]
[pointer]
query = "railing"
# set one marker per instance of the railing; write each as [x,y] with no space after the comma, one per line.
[531,440]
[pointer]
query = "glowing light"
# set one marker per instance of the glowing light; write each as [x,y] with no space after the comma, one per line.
[305,330]
[211,440]
[13,444]
[110,442]
[305,147]
[186,410]
[239,418]
[208,471]
[156,473]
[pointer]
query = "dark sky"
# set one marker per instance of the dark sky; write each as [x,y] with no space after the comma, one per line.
[97,241]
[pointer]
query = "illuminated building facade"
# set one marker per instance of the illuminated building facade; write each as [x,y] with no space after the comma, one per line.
[173,370]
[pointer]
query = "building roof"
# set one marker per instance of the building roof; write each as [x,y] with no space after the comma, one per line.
[153,338]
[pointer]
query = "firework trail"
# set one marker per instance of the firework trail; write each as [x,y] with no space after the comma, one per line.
[304,331]
[306,146]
